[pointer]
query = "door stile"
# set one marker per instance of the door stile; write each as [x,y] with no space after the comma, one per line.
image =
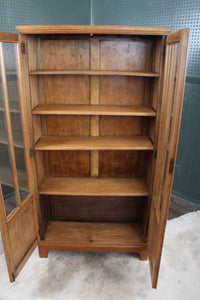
[20,230]
[26,112]
[165,134]
[172,101]
[8,123]
[5,238]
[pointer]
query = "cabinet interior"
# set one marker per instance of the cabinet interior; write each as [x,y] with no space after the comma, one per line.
[94,104]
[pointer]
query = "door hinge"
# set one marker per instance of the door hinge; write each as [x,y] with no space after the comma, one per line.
[155,154]
[171,166]
[23,48]
[31,152]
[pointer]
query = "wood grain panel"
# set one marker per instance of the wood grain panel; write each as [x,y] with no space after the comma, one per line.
[69,163]
[120,126]
[120,164]
[122,90]
[98,233]
[109,110]
[66,54]
[34,58]
[94,143]
[124,54]
[94,99]
[93,186]
[8,37]
[94,236]
[93,72]
[22,232]
[67,89]
[68,125]
[99,209]
[98,29]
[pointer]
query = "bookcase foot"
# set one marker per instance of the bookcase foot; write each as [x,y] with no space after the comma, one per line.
[43,251]
[143,254]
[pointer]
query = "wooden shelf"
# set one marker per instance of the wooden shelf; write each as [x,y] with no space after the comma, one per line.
[93,186]
[17,138]
[91,72]
[92,236]
[6,176]
[107,110]
[94,143]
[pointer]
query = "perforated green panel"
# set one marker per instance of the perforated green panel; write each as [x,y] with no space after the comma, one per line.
[176,14]
[42,12]
[169,13]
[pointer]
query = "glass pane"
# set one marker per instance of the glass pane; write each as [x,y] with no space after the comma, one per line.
[14,103]
[6,174]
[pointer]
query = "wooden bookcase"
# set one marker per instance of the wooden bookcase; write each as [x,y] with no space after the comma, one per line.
[100,110]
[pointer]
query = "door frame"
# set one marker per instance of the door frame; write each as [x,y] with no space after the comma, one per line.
[30,205]
[172,101]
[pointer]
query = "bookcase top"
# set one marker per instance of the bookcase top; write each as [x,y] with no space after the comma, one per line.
[92,29]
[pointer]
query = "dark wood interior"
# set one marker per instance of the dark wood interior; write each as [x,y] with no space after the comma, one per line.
[105,53]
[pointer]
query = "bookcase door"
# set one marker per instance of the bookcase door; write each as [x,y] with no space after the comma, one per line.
[18,216]
[171,109]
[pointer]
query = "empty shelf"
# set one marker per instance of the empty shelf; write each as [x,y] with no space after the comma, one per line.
[91,72]
[93,186]
[92,236]
[109,110]
[94,143]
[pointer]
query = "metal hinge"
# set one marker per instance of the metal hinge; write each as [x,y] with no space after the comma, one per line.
[155,154]
[171,166]
[23,48]
[31,152]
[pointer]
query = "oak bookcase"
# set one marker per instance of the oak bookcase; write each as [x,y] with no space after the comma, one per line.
[91,167]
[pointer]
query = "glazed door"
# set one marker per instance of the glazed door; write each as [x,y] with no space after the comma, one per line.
[171,109]
[18,215]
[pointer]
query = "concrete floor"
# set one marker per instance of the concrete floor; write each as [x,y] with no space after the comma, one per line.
[113,276]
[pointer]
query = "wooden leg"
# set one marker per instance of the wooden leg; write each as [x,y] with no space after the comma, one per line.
[143,254]
[43,252]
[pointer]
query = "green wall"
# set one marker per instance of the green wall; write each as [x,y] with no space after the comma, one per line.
[175,14]
[170,13]
[43,12]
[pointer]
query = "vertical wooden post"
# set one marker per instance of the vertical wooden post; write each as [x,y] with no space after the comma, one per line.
[5,238]
[94,100]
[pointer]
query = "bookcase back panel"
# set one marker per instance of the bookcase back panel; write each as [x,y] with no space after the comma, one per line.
[119,126]
[121,53]
[67,89]
[69,163]
[68,125]
[66,54]
[107,209]
[122,164]
[122,90]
